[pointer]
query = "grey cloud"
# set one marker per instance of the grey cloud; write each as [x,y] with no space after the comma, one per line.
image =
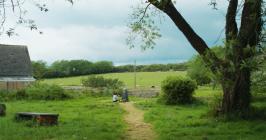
[95,30]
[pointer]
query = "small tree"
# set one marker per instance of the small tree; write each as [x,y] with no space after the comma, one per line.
[39,69]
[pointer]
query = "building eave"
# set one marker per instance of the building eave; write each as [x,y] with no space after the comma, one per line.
[17,79]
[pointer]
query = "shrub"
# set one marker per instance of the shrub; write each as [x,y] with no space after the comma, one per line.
[106,86]
[45,92]
[94,82]
[178,90]
[36,91]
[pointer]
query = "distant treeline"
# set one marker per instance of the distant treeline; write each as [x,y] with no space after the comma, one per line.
[65,68]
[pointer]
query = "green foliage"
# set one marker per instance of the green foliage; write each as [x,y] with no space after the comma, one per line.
[178,90]
[39,69]
[101,82]
[144,30]
[39,91]
[103,67]
[199,71]
[152,67]
[106,85]
[65,68]
[36,91]
[259,83]
[94,82]
[259,76]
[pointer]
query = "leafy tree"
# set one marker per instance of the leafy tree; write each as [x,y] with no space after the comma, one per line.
[241,43]
[177,67]
[60,68]
[198,71]
[103,67]
[79,67]
[39,69]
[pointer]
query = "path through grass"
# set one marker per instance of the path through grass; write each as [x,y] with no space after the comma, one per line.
[137,128]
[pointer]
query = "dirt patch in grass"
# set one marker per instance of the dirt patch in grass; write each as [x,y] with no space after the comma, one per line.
[137,129]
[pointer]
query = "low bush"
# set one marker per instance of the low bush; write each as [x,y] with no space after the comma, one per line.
[104,85]
[37,91]
[178,90]
[101,82]
[46,92]
[94,82]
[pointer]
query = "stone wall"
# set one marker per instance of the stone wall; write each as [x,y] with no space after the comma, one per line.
[144,93]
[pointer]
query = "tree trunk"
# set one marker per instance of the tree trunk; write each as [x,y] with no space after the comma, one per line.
[237,96]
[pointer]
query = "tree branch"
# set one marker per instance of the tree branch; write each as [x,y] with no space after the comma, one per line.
[195,40]
[144,13]
[251,23]
[231,25]
[13,6]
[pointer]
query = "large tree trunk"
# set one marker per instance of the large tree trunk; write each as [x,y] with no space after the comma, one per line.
[236,97]
[236,84]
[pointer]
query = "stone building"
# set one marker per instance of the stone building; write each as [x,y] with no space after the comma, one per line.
[15,67]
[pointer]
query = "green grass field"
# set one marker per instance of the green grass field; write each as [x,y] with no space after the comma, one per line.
[80,119]
[99,119]
[144,79]
[191,122]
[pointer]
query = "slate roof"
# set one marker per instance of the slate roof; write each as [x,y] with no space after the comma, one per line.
[15,61]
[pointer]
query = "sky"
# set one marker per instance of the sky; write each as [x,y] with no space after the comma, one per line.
[96,30]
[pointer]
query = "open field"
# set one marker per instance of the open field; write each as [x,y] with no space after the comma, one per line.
[144,79]
[99,119]
[80,119]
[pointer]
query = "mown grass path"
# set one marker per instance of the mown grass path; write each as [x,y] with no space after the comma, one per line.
[137,129]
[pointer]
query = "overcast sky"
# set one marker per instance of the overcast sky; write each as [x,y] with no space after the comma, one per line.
[96,30]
